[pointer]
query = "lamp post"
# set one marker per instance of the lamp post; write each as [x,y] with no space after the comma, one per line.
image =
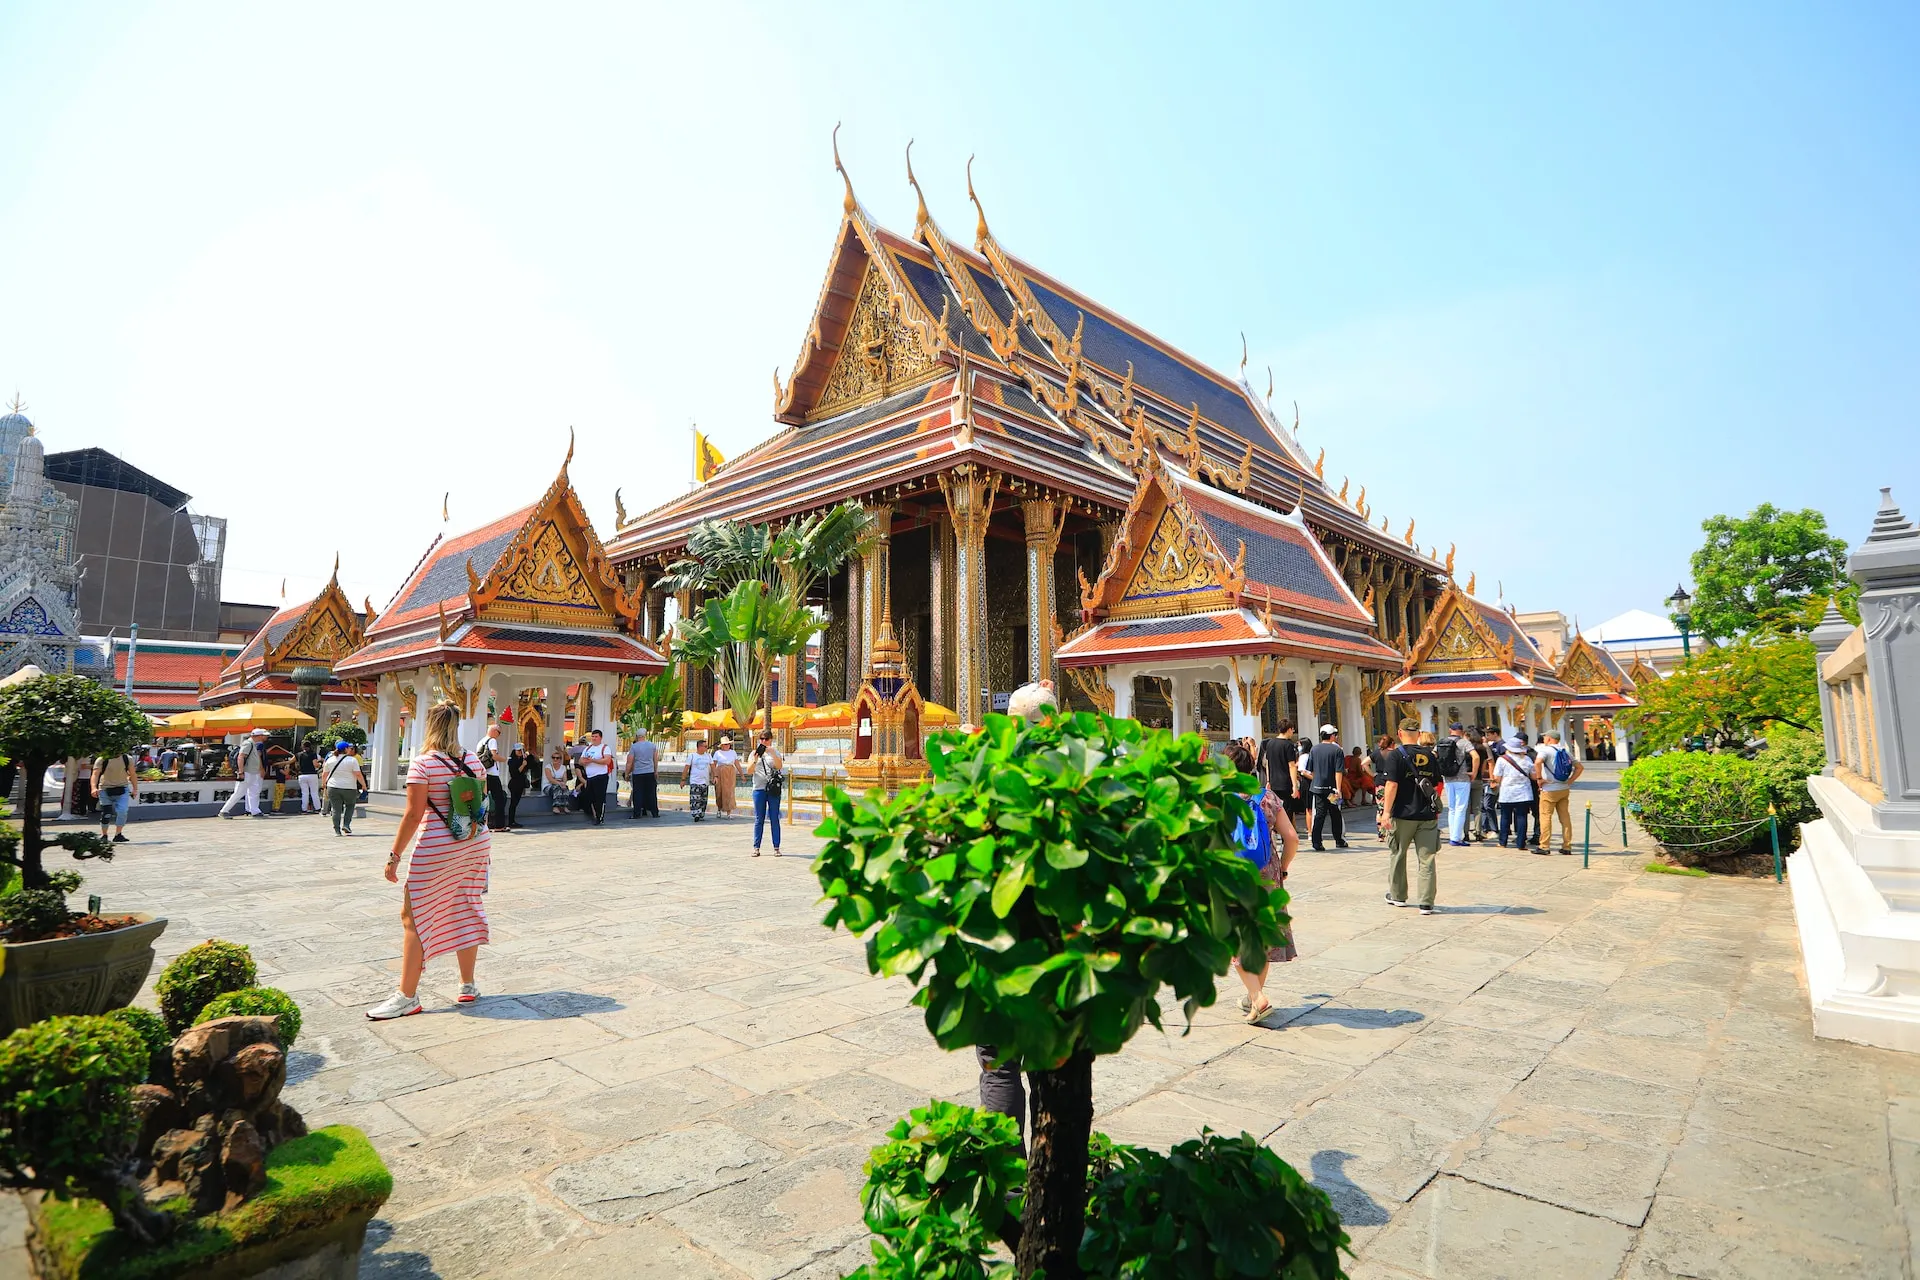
[1677,603]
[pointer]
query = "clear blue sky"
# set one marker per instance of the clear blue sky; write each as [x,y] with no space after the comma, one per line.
[1558,282]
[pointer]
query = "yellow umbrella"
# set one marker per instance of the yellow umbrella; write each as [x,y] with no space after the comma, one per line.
[932,713]
[180,724]
[830,714]
[255,715]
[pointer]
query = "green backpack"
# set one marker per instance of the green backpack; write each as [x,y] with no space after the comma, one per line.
[466,800]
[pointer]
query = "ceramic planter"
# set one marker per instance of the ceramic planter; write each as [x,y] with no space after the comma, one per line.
[88,974]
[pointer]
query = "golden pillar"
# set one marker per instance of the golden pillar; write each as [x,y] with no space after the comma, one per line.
[856,611]
[1043,539]
[940,581]
[970,492]
[877,578]
[791,680]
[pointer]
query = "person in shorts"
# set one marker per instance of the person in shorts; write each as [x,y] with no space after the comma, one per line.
[116,783]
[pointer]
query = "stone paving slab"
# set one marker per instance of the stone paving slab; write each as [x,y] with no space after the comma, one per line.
[675,1072]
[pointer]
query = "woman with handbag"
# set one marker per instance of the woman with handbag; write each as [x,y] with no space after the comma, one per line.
[1256,843]
[769,778]
[447,874]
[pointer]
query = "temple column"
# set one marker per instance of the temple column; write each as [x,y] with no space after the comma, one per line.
[856,625]
[877,575]
[385,745]
[656,614]
[790,681]
[1179,692]
[970,493]
[1120,680]
[940,599]
[417,723]
[1043,539]
[683,607]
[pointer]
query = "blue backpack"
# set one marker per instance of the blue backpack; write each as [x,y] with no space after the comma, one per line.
[1255,842]
[1562,767]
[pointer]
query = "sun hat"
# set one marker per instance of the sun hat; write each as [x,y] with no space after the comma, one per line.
[1328,730]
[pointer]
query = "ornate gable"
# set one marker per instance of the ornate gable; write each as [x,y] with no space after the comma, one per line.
[1456,638]
[327,632]
[1164,562]
[878,353]
[1642,672]
[1586,672]
[554,571]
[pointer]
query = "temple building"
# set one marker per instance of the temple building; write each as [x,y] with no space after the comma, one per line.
[1474,666]
[502,620]
[998,423]
[1601,691]
[39,574]
[291,659]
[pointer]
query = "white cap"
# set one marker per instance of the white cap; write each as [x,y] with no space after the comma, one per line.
[1328,728]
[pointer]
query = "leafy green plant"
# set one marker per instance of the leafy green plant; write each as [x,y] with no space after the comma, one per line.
[1763,572]
[1730,693]
[1041,888]
[33,914]
[67,1124]
[1791,757]
[654,706]
[937,1193]
[322,739]
[1697,804]
[264,1001]
[152,1030]
[197,975]
[744,633]
[1212,1207]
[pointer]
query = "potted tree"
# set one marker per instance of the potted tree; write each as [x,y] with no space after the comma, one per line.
[1041,888]
[58,961]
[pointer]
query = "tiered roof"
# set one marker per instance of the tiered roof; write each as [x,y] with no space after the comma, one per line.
[922,354]
[314,633]
[1468,648]
[1599,684]
[1199,573]
[533,588]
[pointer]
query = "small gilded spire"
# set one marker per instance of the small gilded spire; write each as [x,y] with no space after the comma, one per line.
[568,460]
[920,218]
[849,204]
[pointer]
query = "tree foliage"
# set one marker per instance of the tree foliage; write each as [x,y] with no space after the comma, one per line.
[1769,570]
[49,719]
[744,633]
[654,706]
[1697,804]
[322,739]
[1730,693]
[788,558]
[941,1191]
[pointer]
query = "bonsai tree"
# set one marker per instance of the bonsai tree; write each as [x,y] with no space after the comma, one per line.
[654,706]
[49,719]
[1041,887]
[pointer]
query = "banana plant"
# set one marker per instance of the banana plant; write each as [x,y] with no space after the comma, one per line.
[742,635]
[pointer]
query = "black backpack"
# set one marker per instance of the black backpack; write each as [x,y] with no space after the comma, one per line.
[1423,773]
[1449,757]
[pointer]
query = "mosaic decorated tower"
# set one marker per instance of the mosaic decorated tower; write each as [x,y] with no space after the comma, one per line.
[38,570]
[886,720]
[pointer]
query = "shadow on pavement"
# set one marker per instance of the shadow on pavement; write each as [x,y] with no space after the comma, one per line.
[1356,1207]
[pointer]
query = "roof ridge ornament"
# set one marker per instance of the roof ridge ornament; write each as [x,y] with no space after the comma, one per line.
[980,232]
[1888,522]
[1243,356]
[849,203]
[920,217]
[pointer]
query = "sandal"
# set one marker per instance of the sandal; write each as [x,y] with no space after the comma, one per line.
[1259,1011]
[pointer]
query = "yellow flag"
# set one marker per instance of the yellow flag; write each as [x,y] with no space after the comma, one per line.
[706,459]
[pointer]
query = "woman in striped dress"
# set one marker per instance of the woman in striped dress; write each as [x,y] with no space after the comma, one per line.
[441,910]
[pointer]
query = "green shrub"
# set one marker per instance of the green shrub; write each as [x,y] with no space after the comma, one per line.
[1041,888]
[197,975]
[1791,757]
[33,914]
[152,1030]
[1212,1207]
[946,1161]
[1698,805]
[257,1000]
[66,1115]
[322,739]
[48,719]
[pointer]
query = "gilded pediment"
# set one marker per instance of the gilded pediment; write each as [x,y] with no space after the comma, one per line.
[879,354]
[1584,674]
[549,574]
[1172,575]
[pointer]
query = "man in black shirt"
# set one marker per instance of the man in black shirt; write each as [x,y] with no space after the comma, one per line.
[1325,764]
[1411,798]
[1280,767]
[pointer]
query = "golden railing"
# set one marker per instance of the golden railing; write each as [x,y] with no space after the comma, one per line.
[1856,745]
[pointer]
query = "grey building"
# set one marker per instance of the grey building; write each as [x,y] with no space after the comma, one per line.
[143,556]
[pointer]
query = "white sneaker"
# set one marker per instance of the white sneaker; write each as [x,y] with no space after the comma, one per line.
[469,992]
[396,1005]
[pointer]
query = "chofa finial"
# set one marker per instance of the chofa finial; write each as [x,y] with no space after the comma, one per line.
[980,227]
[568,460]
[849,204]
[920,218]
[1243,355]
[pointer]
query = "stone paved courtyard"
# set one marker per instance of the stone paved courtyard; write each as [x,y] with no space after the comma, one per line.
[677,1073]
